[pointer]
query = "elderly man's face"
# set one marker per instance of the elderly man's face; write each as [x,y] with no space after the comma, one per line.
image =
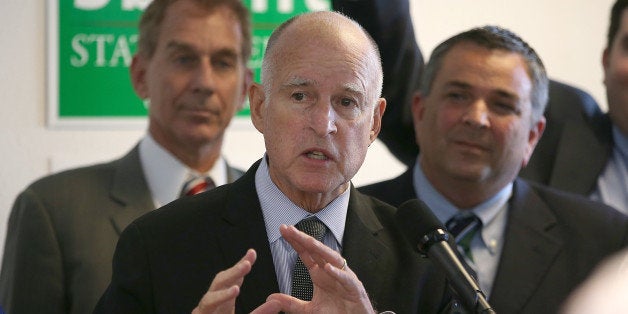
[319,116]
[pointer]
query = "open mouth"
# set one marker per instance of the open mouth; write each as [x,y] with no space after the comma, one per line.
[316,155]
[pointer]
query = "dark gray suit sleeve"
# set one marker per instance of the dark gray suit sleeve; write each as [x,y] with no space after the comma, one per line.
[32,275]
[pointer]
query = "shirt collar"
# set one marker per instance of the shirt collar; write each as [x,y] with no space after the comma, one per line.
[444,210]
[621,143]
[492,212]
[278,209]
[165,174]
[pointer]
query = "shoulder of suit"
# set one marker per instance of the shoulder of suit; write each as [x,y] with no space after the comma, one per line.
[76,177]
[571,206]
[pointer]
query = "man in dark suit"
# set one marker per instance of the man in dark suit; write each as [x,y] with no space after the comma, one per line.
[318,108]
[577,141]
[478,117]
[592,158]
[63,228]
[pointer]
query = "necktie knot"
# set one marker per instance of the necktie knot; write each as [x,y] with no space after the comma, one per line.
[197,185]
[463,227]
[462,224]
[312,227]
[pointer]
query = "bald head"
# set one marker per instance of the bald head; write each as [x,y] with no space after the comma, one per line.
[333,31]
[319,107]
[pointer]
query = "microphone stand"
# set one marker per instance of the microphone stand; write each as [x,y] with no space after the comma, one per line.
[468,290]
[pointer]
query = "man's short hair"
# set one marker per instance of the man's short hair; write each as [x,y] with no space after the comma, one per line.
[150,23]
[494,38]
[613,28]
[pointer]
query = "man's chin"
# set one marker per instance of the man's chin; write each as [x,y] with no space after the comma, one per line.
[202,137]
[470,173]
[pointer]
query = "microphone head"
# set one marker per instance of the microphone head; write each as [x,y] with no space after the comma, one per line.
[418,224]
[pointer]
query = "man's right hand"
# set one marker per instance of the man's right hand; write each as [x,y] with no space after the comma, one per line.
[221,296]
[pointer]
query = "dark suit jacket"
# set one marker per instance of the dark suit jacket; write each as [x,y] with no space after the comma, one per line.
[166,260]
[552,242]
[573,150]
[62,234]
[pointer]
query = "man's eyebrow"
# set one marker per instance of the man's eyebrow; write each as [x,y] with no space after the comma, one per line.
[299,81]
[354,88]
[507,94]
[458,84]
[224,52]
[177,45]
[500,92]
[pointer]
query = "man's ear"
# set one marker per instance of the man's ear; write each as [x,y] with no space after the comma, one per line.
[418,110]
[247,81]
[378,113]
[606,61]
[138,70]
[257,97]
[533,138]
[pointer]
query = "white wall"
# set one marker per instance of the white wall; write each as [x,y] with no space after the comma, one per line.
[568,34]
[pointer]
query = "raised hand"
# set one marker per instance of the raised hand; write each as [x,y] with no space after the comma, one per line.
[221,296]
[336,288]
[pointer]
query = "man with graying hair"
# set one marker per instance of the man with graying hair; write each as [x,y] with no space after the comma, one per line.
[318,108]
[190,67]
[478,116]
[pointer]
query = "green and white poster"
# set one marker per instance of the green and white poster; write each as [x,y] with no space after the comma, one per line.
[90,46]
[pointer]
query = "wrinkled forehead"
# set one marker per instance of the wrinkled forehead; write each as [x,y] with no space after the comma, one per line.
[335,35]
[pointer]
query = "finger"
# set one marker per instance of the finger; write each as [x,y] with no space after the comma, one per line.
[235,274]
[268,307]
[346,279]
[330,277]
[213,300]
[226,286]
[287,303]
[309,249]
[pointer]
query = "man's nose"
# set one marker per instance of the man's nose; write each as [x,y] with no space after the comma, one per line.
[204,78]
[323,118]
[477,114]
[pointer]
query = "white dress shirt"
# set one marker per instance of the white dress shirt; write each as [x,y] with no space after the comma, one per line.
[166,175]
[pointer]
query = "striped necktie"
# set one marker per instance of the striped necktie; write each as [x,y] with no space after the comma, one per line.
[197,185]
[463,227]
[302,286]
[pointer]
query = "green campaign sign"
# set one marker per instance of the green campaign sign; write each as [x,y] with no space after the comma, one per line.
[91,44]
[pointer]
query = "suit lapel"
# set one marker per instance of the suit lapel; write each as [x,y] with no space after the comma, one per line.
[361,246]
[244,228]
[404,187]
[130,190]
[531,245]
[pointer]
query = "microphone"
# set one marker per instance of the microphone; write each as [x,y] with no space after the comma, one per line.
[424,230]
